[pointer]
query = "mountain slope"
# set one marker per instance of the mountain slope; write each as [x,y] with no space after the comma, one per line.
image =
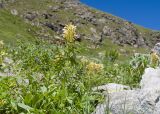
[93,25]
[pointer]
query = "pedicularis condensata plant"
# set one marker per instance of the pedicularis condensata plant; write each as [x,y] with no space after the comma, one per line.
[69,33]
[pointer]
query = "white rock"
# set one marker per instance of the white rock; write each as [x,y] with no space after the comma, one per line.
[151,79]
[140,101]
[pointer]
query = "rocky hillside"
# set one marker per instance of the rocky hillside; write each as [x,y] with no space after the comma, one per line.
[50,16]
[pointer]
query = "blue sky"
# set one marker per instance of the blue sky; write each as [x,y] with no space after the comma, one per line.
[142,12]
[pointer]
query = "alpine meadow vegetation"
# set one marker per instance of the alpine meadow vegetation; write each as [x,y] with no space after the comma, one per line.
[54,79]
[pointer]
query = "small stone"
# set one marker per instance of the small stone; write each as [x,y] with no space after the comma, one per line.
[14,12]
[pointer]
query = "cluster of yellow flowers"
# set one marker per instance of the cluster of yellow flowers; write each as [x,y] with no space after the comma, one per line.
[69,33]
[94,67]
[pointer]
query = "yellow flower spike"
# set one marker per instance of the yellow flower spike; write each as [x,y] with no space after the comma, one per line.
[69,33]
[2,102]
[154,59]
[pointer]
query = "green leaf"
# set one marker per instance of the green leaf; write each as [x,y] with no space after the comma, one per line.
[43,89]
[13,104]
[25,107]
